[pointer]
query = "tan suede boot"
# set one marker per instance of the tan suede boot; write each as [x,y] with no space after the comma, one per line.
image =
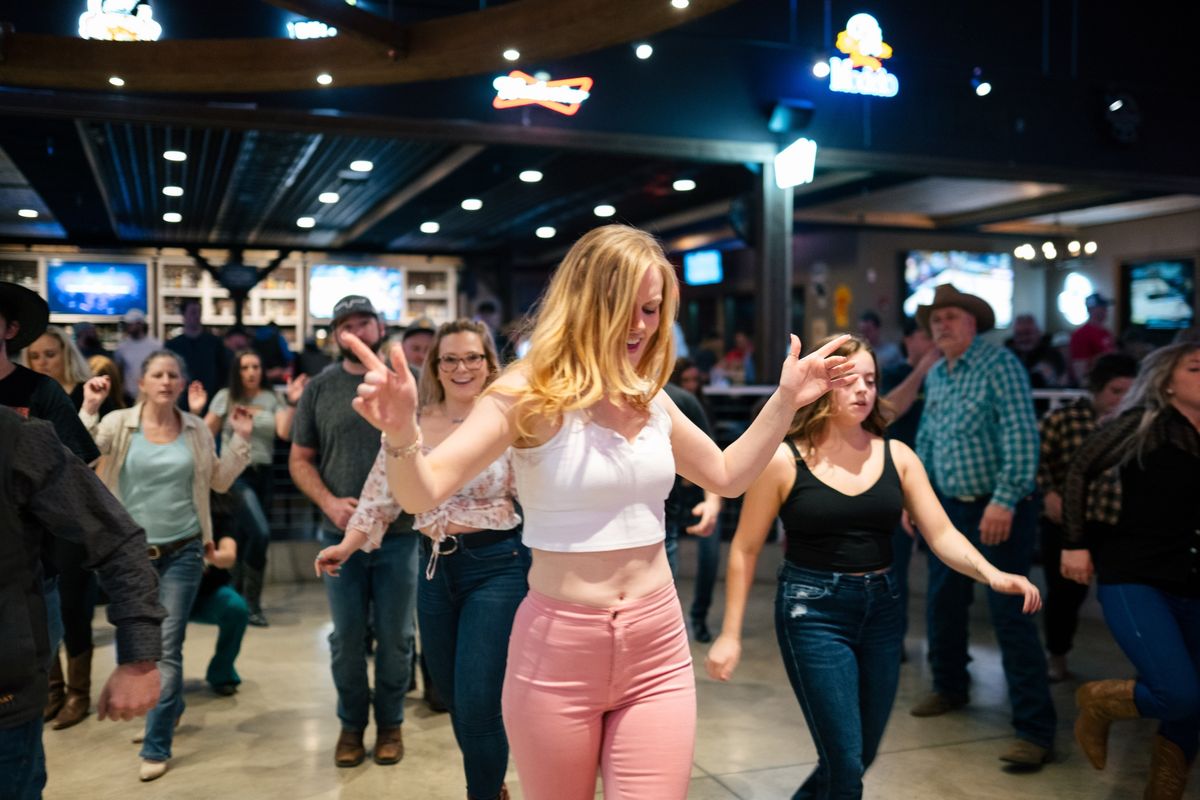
[1100,703]
[1168,771]
[79,691]
[56,696]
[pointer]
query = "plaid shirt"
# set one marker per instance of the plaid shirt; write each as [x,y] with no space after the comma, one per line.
[1064,431]
[978,435]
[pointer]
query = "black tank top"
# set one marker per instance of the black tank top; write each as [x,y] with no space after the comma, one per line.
[828,530]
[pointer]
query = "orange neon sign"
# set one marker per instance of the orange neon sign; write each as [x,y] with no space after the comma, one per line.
[520,89]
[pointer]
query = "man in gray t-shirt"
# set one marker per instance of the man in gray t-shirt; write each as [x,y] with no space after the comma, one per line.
[333,450]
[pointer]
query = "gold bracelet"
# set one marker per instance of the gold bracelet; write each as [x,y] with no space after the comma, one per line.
[408,451]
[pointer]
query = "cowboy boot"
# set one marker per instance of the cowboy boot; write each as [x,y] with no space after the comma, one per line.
[502,796]
[79,691]
[252,585]
[1100,703]
[56,696]
[1168,771]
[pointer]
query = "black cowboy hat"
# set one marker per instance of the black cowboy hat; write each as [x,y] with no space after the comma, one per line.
[28,310]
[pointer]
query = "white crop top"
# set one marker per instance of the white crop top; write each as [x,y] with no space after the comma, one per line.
[589,489]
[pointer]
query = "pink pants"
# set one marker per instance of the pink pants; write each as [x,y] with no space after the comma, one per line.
[608,688]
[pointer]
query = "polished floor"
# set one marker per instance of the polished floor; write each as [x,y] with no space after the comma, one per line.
[274,739]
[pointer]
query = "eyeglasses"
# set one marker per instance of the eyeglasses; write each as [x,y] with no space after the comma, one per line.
[471,361]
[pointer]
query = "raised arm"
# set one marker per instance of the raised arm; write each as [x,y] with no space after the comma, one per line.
[387,398]
[759,510]
[729,472]
[944,539]
[905,393]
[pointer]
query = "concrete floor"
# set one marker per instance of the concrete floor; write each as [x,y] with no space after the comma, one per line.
[275,738]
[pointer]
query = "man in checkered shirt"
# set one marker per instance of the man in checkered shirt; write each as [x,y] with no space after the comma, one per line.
[979,441]
[1063,432]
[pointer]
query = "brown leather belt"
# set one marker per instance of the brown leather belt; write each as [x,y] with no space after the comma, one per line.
[157,551]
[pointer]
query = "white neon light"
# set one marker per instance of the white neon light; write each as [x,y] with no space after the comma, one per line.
[119,21]
[862,71]
[310,29]
[1072,300]
[843,77]
[795,164]
[512,88]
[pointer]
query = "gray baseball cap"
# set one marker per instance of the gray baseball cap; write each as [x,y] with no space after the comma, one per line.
[350,305]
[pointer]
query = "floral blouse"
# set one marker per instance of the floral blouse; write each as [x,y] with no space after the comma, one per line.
[485,503]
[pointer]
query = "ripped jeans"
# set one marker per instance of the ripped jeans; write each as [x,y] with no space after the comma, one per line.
[840,636]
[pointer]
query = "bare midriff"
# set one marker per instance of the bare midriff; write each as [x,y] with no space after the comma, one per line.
[600,579]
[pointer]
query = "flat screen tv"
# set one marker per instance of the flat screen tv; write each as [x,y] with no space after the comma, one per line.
[1161,295]
[702,267]
[986,275]
[383,286]
[98,289]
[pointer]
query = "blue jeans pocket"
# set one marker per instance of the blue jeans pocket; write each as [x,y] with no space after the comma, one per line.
[804,591]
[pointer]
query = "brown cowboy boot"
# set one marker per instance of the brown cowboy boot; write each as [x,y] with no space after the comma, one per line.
[79,691]
[1168,771]
[349,751]
[389,746]
[1100,703]
[502,796]
[56,696]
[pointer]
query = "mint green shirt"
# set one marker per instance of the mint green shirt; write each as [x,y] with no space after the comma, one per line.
[262,439]
[156,487]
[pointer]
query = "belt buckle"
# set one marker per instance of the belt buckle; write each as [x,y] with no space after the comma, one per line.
[453,549]
[966,498]
[154,552]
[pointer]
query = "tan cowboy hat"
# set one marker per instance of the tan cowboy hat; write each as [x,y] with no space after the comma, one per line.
[946,296]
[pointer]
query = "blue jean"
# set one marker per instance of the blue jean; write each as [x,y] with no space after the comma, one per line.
[226,609]
[179,576]
[708,551]
[22,761]
[54,621]
[840,639]
[251,493]
[1160,633]
[466,615]
[1021,654]
[383,583]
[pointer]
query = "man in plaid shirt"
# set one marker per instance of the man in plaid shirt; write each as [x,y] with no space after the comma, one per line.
[1064,431]
[978,439]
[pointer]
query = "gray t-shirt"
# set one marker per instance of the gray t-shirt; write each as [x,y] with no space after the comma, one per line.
[262,437]
[346,444]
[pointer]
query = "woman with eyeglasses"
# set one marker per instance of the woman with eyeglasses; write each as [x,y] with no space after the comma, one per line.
[477,566]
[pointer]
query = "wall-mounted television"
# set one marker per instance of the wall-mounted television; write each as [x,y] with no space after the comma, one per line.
[702,267]
[88,288]
[1160,294]
[383,286]
[986,275]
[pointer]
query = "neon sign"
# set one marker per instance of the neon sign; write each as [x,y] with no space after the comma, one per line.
[310,29]
[862,71]
[119,21]
[519,89]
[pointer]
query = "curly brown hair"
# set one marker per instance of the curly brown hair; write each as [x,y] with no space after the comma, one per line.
[810,421]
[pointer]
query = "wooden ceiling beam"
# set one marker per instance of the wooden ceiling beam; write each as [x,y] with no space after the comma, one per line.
[445,47]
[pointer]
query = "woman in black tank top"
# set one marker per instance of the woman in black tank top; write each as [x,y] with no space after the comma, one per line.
[839,488]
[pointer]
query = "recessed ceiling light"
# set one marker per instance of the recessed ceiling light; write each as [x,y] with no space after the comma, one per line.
[27,213]
[983,89]
[306,222]
[324,79]
[604,210]
[680,3]
[175,155]
[173,191]
[643,51]
[430,227]
[172,216]
[512,54]
[684,185]
[329,197]
[117,80]
[530,176]
[545,232]
[472,204]
[362,166]
[1090,248]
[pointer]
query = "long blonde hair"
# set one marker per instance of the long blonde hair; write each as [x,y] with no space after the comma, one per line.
[576,355]
[1149,395]
[429,387]
[810,421]
[75,368]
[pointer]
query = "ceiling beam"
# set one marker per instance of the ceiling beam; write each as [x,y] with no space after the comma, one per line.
[453,46]
[1030,207]
[93,160]
[369,27]
[401,197]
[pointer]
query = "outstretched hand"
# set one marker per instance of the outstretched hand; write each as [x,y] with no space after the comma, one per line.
[387,398]
[803,380]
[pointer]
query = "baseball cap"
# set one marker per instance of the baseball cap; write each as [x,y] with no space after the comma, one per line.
[1097,300]
[352,304]
[133,315]
[419,325]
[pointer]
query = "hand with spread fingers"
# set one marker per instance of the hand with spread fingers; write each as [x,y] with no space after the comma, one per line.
[387,398]
[803,380]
